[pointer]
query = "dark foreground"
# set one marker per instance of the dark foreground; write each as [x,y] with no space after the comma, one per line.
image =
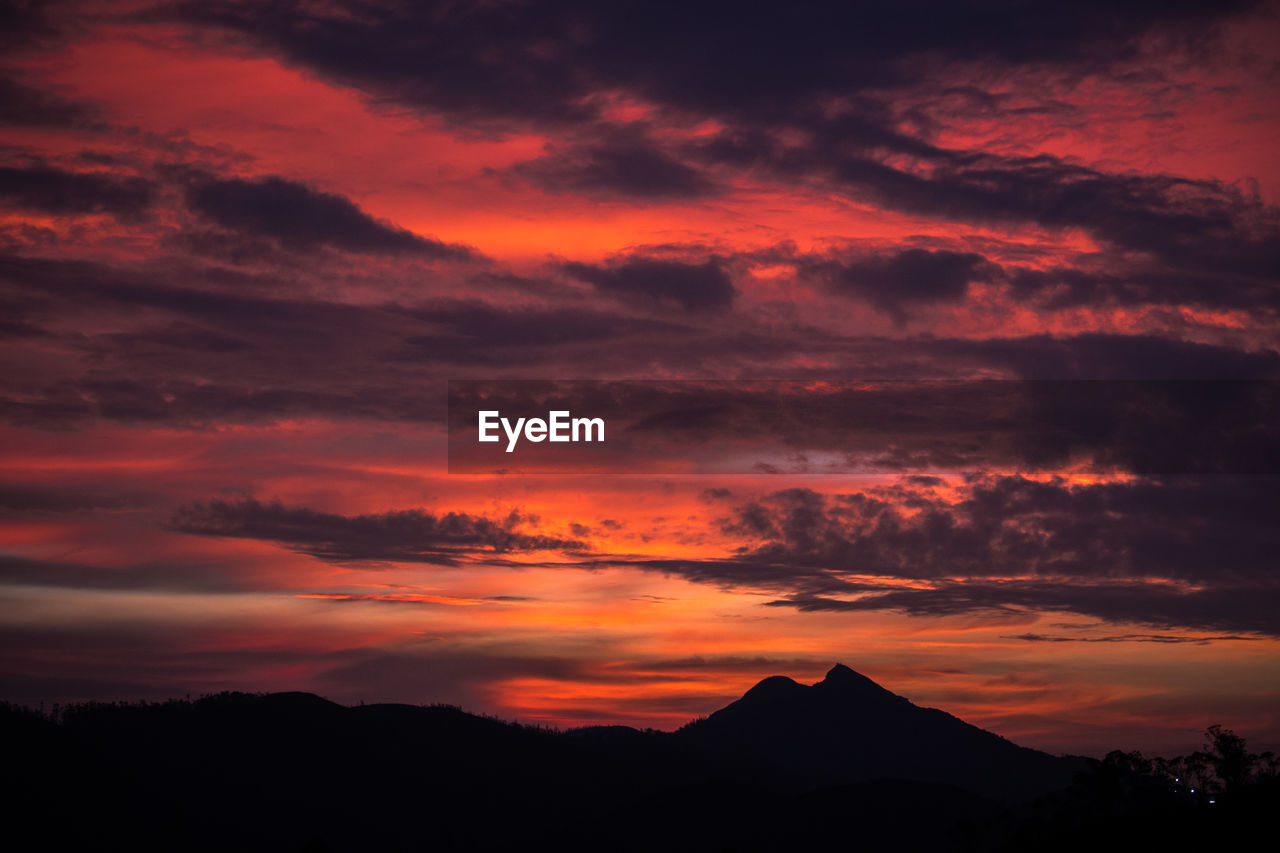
[840,765]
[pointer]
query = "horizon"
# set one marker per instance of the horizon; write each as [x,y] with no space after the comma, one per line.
[936,338]
[53,712]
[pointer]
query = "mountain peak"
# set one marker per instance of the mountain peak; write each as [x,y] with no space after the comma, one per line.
[775,687]
[840,672]
[847,726]
[844,679]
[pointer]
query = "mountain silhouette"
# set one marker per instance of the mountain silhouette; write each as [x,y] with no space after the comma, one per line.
[848,728]
[841,764]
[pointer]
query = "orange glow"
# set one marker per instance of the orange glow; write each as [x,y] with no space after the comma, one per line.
[160,361]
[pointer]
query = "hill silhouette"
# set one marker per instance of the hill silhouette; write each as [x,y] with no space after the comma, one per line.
[848,728]
[842,764]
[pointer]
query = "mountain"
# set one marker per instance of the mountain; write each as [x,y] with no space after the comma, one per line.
[847,728]
[786,767]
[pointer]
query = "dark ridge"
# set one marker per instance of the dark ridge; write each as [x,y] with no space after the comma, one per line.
[604,732]
[840,677]
[848,728]
[772,689]
[841,764]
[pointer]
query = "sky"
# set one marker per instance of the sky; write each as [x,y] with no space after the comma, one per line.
[245,247]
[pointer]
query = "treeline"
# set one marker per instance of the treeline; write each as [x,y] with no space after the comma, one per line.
[296,772]
[1221,773]
[1219,797]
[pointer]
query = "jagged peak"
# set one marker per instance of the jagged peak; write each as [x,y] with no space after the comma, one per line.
[840,671]
[841,677]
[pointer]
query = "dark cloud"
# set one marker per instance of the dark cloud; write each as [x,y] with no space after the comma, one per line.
[1232,271]
[189,575]
[237,306]
[620,165]
[198,344]
[1202,241]
[221,246]
[25,24]
[410,599]
[16,321]
[471,331]
[39,498]
[201,354]
[1188,552]
[179,335]
[190,403]
[17,328]
[1167,639]
[23,105]
[482,61]
[1099,355]
[50,190]
[657,282]
[216,349]
[899,281]
[897,426]
[301,217]
[220,314]
[1194,529]
[411,535]
[770,80]
[1199,226]
[1070,287]
[1250,608]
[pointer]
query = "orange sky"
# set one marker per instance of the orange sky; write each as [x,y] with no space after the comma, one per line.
[238,273]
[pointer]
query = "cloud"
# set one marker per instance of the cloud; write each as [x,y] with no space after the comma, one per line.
[1248,608]
[49,190]
[194,343]
[808,96]
[26,25]
[899,281]
[1066,287]
[1192,529]
[655,282]
[181,336]
[16,321]
[896,282]
[1102,355]
[49,498]
[187,575]
[618,164]
[411,535]
[1148,427]
[481,61]
[472,331]
[813,97]
[1186,552]
[301,217]
[1201,226]
[23,105]
[1164,639]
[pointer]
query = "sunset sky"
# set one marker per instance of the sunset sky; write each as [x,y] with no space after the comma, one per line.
[244,247]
